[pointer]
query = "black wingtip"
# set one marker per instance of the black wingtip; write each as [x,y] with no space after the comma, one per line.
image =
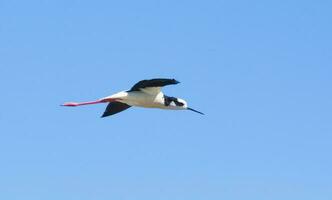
[176,81]
[114,107]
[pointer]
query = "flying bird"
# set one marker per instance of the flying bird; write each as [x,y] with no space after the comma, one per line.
[145,93]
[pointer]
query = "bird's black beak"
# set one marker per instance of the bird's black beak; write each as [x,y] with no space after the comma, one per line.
[195,111]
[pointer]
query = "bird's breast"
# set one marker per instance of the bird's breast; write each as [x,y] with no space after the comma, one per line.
[141,99]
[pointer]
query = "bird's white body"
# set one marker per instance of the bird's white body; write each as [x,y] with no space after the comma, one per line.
[145,98]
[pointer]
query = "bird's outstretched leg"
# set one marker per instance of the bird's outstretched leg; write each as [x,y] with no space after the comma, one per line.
[73,104]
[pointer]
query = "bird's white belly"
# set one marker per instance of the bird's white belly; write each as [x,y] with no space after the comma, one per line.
[142,99]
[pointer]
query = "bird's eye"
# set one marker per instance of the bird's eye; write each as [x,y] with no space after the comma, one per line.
[179,103]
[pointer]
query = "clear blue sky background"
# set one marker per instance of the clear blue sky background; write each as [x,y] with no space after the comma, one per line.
[260,70]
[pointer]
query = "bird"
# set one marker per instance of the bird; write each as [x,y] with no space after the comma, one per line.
[145,93]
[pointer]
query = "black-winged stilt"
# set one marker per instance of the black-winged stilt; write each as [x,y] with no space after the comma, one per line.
[145,93]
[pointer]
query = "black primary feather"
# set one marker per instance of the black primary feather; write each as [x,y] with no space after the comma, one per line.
[157,82]
[115,107]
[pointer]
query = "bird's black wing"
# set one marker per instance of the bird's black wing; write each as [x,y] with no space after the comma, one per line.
[115,107]
[157,82]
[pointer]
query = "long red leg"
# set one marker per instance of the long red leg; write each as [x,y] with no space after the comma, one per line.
[73,104]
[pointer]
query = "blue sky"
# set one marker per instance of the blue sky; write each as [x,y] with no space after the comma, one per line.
[260,70]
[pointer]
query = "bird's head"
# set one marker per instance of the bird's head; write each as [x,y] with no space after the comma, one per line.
[181,104]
